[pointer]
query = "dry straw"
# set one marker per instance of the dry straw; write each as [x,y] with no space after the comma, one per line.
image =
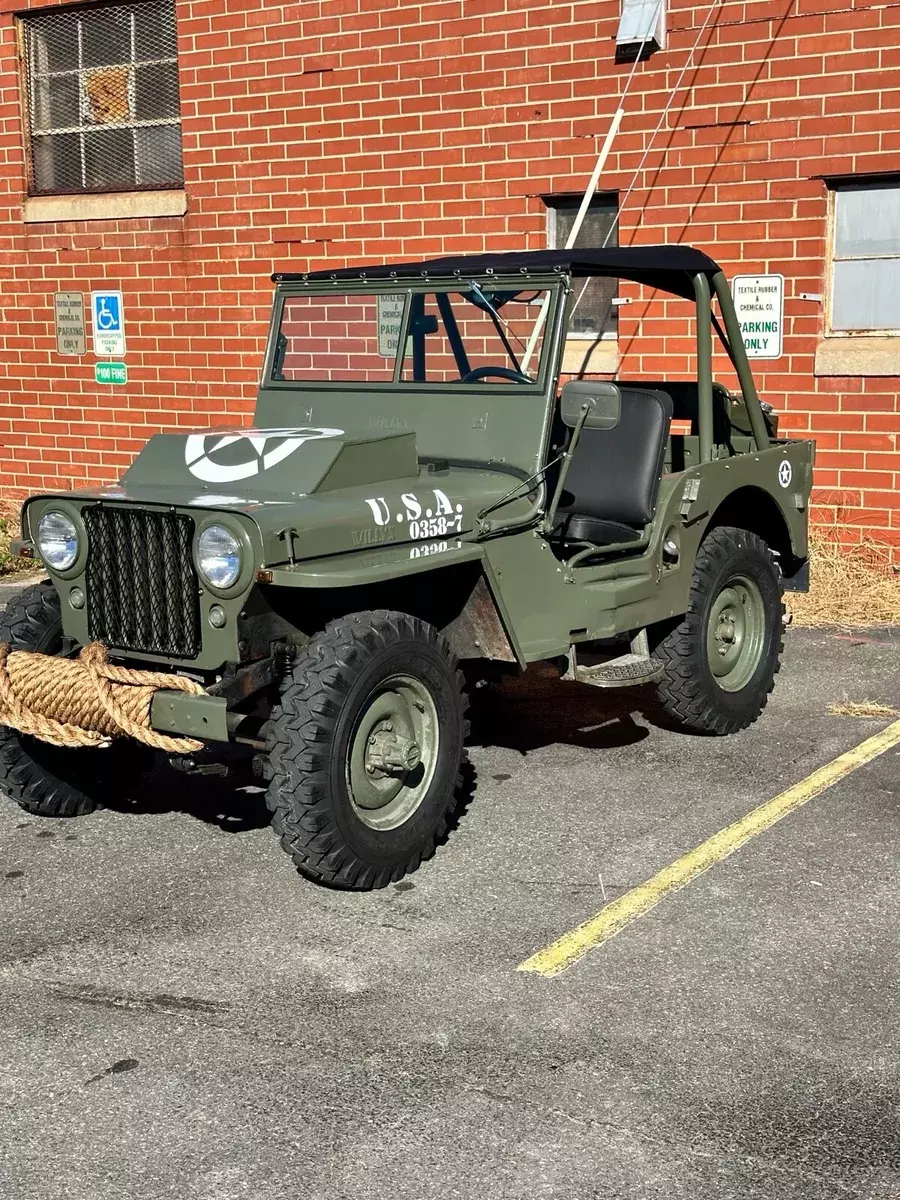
[862,708]
[849,585]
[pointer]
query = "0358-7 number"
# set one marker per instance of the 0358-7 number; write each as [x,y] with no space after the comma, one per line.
[436,526]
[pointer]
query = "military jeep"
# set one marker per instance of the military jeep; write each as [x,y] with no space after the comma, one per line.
[425,498]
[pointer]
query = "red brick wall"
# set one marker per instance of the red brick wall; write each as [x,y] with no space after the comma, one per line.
[337,131]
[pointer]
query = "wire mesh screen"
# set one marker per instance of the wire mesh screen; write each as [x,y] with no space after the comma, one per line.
[103,105]
[595,315]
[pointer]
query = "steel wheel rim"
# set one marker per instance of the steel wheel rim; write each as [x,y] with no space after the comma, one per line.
[735,634]
[393,752]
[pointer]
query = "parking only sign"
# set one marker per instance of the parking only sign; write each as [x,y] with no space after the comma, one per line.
[109,324]
[390,314]
[759,304]
[68,308]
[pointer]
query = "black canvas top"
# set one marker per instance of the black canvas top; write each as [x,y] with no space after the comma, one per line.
[665,267]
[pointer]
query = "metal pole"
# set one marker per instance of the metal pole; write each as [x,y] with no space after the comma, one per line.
[595,178]
[741,363]
[704,367]
[576,226]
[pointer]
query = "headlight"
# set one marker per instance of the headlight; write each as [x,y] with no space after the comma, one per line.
[57,541]
[218,556]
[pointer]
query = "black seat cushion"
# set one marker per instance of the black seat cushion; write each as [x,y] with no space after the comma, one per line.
[600,533]
[613,480]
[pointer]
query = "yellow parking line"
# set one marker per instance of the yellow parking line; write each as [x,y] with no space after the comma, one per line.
[612,919]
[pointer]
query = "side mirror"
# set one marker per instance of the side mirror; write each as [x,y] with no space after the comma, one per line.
[605,402]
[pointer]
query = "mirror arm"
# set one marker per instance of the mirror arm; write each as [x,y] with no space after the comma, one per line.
[522,489]
[547,523]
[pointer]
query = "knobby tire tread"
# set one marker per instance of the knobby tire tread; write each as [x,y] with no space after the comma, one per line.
[682,691]
[31,621]
[300,733]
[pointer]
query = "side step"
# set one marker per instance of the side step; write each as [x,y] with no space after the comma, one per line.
[628,670]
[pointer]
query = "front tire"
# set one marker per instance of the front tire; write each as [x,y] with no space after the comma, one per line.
[721,660]
[366,750]
[53,781]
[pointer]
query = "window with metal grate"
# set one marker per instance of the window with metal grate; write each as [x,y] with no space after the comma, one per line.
[596,314]
[102,94]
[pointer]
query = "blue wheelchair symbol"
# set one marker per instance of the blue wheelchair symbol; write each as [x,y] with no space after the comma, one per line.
[106,313]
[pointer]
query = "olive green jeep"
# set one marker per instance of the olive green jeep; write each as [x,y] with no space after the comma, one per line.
[421,501]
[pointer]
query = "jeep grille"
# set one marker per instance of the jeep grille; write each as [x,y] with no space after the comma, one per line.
[142,589]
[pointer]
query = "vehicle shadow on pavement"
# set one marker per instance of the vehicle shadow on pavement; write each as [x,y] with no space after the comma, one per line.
[539,709]
[233,802]
[523,713]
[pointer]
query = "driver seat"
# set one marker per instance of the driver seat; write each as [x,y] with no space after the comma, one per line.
[613,480]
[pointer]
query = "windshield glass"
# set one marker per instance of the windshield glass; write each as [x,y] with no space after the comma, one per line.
[476,334]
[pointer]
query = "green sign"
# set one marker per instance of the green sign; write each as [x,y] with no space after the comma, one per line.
[106,372]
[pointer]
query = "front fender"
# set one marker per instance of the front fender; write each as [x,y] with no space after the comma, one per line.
[482,627]
[374,566]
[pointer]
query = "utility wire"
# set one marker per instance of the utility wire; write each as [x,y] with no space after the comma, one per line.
[613,130]
[659,124]
[665,112]
[593,181]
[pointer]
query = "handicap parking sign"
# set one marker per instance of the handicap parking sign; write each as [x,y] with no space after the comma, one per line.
[109,324]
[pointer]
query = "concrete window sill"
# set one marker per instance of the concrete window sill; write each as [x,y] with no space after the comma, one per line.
[111,206]
[858,356]
[603,360]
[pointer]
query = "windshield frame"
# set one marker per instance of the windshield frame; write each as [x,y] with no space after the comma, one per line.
[557,286]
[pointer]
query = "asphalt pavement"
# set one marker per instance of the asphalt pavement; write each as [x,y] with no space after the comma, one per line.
[181,1015]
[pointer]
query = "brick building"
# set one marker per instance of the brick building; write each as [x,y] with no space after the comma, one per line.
[179,152]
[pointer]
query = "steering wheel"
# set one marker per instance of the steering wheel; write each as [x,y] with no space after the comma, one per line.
[500,372]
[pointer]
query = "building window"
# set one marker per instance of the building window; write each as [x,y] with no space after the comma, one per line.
[102,95]
[865,267]
[595,313]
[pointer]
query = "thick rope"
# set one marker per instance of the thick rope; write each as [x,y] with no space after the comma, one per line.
[85,701]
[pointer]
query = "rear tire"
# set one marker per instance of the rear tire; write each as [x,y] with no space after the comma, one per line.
[52,781]
[366,750]
[722,658]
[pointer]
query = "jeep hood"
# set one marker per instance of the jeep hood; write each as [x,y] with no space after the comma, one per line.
[312,491]
[260,464]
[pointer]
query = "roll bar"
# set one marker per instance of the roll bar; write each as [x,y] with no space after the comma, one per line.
[738,355]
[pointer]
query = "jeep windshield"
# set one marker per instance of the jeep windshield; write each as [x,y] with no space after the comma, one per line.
[473,333]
